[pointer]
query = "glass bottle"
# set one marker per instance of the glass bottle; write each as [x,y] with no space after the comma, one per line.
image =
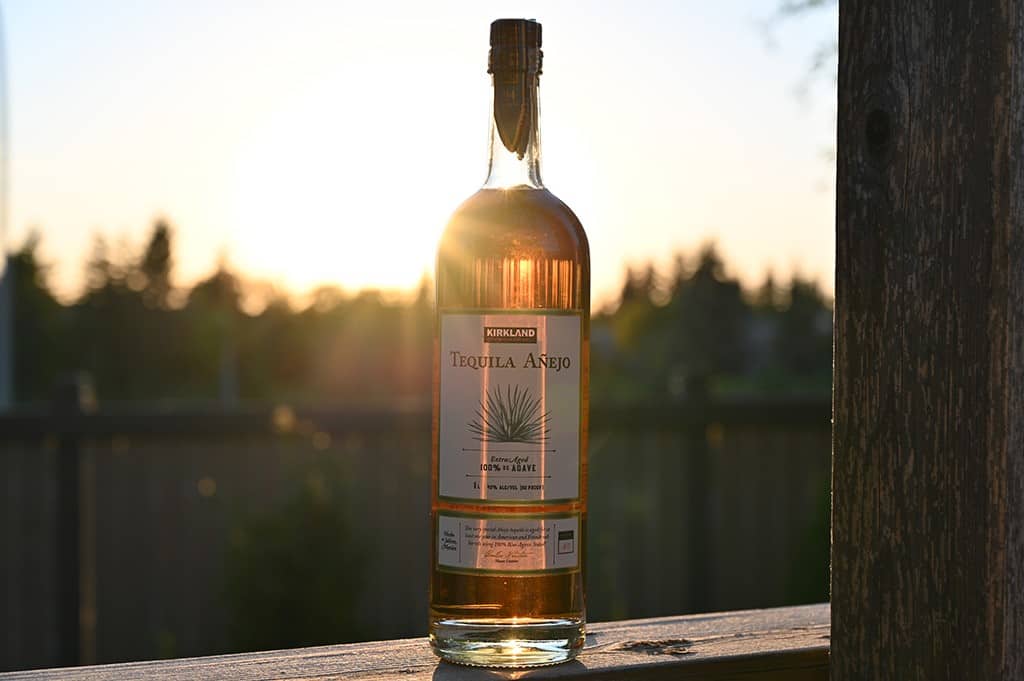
[510,403]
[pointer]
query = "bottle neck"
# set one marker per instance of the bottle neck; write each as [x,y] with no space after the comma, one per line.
[515,133]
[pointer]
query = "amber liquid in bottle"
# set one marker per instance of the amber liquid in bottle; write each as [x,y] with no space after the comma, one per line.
[512,248]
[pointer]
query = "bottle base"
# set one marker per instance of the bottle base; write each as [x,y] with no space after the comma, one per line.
[507,642]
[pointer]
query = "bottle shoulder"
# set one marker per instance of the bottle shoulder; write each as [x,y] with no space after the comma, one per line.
[503,221]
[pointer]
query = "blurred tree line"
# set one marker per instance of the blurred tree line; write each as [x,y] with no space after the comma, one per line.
[699,323]
[141,338]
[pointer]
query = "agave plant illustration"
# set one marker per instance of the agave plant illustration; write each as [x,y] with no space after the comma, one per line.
[510,416]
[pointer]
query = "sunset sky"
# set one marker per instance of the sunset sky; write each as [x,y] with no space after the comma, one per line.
[327,142]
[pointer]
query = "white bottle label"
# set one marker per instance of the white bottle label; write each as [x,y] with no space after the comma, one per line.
[509,426]
[501,544]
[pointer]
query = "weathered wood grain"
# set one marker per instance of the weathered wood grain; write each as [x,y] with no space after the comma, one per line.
[754,645]
[928,472]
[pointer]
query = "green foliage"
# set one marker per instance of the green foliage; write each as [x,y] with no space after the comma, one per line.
[703,326]
[292,573]
[809,577]
[122,331]
[155,267]
[39,357]
[789,7]
[825,58]
[140,338]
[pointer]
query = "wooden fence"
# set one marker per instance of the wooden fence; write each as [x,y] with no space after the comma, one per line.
[693,507]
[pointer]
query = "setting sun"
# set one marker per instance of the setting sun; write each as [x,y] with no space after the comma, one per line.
[331,191]
[308,148]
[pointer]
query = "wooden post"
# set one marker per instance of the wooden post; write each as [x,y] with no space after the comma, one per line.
[6,314]
[698,470]
[71,399]
[928,467]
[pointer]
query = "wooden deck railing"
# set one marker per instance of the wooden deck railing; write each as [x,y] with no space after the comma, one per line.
[754,645]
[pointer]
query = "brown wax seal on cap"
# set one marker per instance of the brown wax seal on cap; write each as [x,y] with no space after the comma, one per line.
[504,31]
[515,63]
[515,45]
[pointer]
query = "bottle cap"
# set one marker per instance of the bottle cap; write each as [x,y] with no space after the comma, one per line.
[512,32]
[515,46]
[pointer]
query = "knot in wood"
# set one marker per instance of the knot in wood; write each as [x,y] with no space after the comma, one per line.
[878,130]
[666,646]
